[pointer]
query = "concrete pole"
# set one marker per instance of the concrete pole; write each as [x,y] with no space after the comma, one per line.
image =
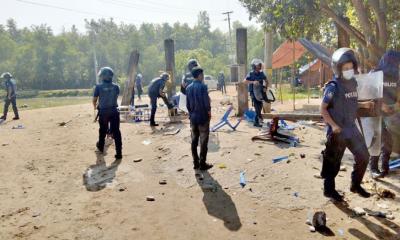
[130,82]
[241,56]
[169,49]
[268,52]
[294,74]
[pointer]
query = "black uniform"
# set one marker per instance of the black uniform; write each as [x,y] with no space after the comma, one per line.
[11,89]
[108,92]
[341,97]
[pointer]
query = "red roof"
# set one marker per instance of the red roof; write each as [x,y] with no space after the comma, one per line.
[283,56]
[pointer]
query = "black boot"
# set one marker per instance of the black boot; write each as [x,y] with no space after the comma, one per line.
[373,162]
[99,148]
[118,155]
[16,118]
[205,166]
[385,164]
[4,117]
[153,124]
[330,191]
[356,188]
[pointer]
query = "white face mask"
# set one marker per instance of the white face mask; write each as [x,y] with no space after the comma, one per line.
[349,74]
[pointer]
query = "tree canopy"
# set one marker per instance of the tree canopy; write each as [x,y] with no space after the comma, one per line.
[373,25]
[40,59]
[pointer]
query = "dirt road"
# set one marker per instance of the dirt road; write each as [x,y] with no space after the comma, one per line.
[48,174]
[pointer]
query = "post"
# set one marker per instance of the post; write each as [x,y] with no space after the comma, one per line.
[294,75]
[280,85]
[268,38]
[241,56]
[343,36]
[169,49]
[309,78]
[130,82]
[321,73]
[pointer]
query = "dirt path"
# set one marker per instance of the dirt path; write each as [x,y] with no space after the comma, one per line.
[46,173]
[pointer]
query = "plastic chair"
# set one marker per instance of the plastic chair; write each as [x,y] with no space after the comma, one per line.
[224,121]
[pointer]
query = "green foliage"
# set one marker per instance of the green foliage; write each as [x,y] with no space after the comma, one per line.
[41,60]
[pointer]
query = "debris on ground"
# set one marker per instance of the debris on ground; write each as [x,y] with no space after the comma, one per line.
[279,159]
[221,165]
[319,220]
[172,133]
[179,170]
[382,205]
[63,124]
[302,155]
[343,169]
[146,142]
[150,198]
[242,179]
[137,160]
[162,182]
[18,127]
[375,213]
[386,193]
[359,211]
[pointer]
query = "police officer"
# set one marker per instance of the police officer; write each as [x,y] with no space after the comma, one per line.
[256,77]
[156,90]
[139,86]
[339,109]
[11,97]
[105,100]
[221,82]
[198,105]
[188,77]
[389,64]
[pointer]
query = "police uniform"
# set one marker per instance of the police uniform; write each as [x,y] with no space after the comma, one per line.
[187,78]
[389,64]
[155,88]
[107,93]
[221,82]
[186,81]
[260,77]
[11,89]
[139,86]
[341,97]
[198,105]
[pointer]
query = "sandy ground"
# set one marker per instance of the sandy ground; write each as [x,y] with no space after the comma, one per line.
[50,183]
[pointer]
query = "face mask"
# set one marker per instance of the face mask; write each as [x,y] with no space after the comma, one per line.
[349,74]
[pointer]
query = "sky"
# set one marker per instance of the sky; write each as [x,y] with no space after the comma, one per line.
[59,14]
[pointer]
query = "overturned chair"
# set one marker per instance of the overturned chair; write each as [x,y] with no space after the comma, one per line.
[224,121]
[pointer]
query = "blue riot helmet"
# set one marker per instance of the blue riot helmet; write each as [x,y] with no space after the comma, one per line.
[164,76]
[106,74]
[191,64]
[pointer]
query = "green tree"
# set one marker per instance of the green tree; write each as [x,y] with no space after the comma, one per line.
[294,19]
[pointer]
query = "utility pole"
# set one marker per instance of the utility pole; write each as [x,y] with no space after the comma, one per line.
[228,14]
